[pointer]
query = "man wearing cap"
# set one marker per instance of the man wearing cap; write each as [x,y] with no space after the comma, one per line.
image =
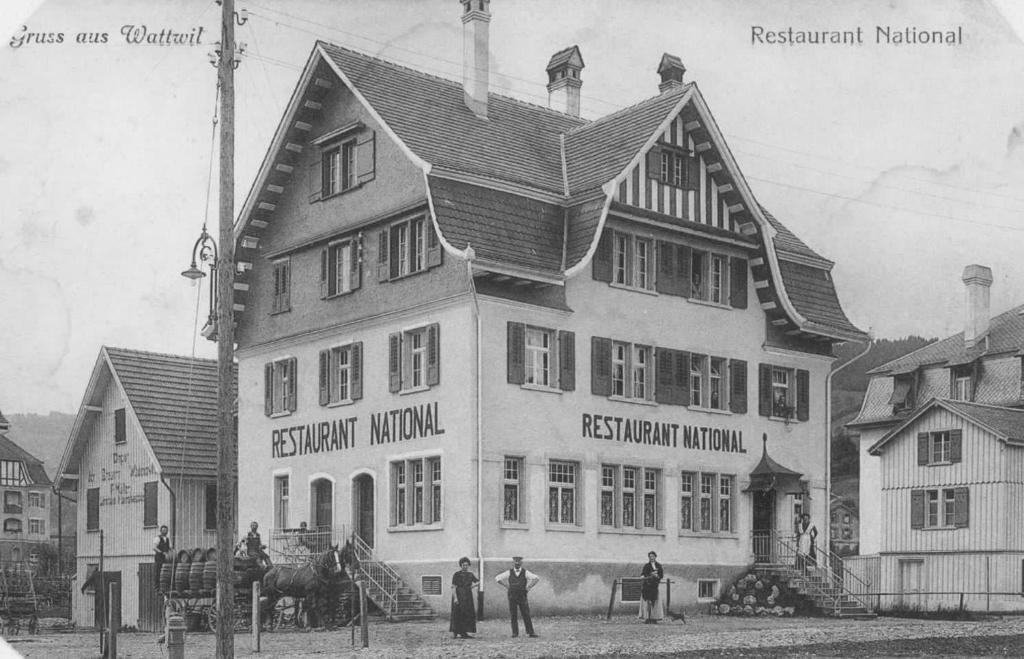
[518,581]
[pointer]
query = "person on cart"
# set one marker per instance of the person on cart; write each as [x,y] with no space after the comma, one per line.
[254,547]
[161,553]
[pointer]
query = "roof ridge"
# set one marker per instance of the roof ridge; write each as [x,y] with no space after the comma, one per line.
[971,403]
[150,353]
[434,76]
[630,108]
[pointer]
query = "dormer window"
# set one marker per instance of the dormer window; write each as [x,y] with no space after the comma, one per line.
[962,382]
[902,398]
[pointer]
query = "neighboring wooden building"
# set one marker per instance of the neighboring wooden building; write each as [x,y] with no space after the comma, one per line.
[27,499]
[474,326]
[942,464]
[142,453]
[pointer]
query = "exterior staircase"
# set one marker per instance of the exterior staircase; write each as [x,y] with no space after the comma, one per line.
[827,583]
[386,588]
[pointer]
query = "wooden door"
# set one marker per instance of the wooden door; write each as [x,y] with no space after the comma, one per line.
[323,502]
[910,582]
[364,513]
[151,610]
[101,588]
[763,525]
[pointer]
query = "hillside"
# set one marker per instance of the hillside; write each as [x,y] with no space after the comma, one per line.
[44,436]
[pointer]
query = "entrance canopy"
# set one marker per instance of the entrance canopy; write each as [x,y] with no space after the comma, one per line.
[770,475]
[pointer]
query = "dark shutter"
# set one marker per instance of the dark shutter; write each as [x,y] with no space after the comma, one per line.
[325,376]
[356,371]
[738,386]
[654,162]
[665,390]
[293,383]
[956,441]
[211,506]
[683,376]
[692,181]
[764,390]
[92,508]
[669,280]
[317,173]
[566,360]
[120,434]
[393,254]
[923,440]
[803,395]
[917,509]
[395,362]
[366,157]
[961,507]
[325,289]
[383,250]
[268,388]
[433,354]
[684,255]
[738,283]
[434,251]
[975,377]
[602,265]
[516,341]
[357,262]
[149,506]
[600,366]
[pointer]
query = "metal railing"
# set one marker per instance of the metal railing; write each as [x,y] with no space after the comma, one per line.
[300,545]
[380,576]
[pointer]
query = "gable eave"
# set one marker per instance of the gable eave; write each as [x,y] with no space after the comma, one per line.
[876,448]
[75,437]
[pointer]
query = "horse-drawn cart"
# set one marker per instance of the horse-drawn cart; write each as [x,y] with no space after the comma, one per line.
[189,584]
[19,605]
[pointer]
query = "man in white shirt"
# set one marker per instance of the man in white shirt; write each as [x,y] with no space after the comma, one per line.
[518,581]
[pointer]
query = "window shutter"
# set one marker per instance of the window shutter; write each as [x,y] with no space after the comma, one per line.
[120,432]
[975,377]
[325,369]
[293,384]
[692,181]
[764,390]
[434,251]
[383,267]
[366,157]
[602,265]
[324,289]
[961,507]
[665,390]
[738,386]
[956,440]
[516,342]
[654,162]
[738,283]
[395,362]
[316,178]
[356,371]
[803,395]
[149,506]
[922,448]
[566,360]
[668,280]
[433,354]
[393,255]
[357,262]
[211,507]
[684,255]
[600,366]
[92,508]
[268,389]
[917,509]
[683,376]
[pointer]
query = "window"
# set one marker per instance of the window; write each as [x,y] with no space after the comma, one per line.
[339,168]
[92,509]
[12,473]
[12,525]
[963,378]
[414,358]
[281,486]
[784,392]
[512,491]
[708,382]
[406,248]
[708,277]
[211,507]
[341,379]
[416,491]
[711,508]
[707,589]
[962,387]
[902,393]
[36,526]
[280,384]
[673,166]
[150,505]
[341,267]
[120,436]
[12,503]
[633,261]
[541,357]
[946,508]
[630,497]
[562,484]
[631,371]
[538,356]
[282,286]
[36,499]
[940,448]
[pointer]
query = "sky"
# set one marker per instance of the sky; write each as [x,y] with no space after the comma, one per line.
[901,163]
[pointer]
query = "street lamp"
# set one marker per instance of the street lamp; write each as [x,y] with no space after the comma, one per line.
[204,252]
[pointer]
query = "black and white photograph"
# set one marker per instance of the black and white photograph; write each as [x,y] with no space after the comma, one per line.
[511,328]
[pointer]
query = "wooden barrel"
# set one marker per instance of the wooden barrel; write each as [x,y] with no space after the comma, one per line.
[165,578]
[210,570]
[195,573]
[183,563]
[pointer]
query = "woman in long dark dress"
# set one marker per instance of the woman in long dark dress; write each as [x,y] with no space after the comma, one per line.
[463,619]
[650,602]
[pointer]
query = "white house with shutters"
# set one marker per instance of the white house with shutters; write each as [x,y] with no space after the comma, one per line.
[472,326]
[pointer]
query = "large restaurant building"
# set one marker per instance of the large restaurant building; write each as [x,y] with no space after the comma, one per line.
[469,325]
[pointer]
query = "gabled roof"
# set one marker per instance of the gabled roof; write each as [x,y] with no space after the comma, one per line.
[174,399]
[33,465]
[1005,334]
[1006,423]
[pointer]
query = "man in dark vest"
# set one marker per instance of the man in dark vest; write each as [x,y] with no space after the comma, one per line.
[161,550]
[518,580]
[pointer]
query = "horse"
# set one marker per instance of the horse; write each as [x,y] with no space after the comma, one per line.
[312,583]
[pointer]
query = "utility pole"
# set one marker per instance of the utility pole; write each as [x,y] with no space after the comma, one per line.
[226,450]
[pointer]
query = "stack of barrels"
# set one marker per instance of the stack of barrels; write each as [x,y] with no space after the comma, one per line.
[191,573]
[182,565]
[210,571]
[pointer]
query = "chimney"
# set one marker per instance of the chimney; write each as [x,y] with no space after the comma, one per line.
[564,80]
[978,280]
[476,19]
[671,70]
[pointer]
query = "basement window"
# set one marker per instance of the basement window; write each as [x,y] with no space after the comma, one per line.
[431,585]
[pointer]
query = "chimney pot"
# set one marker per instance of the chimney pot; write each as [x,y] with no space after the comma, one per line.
[977,280]
[476,19]
[671,70]
[564,80]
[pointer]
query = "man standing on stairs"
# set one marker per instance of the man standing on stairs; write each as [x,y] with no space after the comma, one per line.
[518,581]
